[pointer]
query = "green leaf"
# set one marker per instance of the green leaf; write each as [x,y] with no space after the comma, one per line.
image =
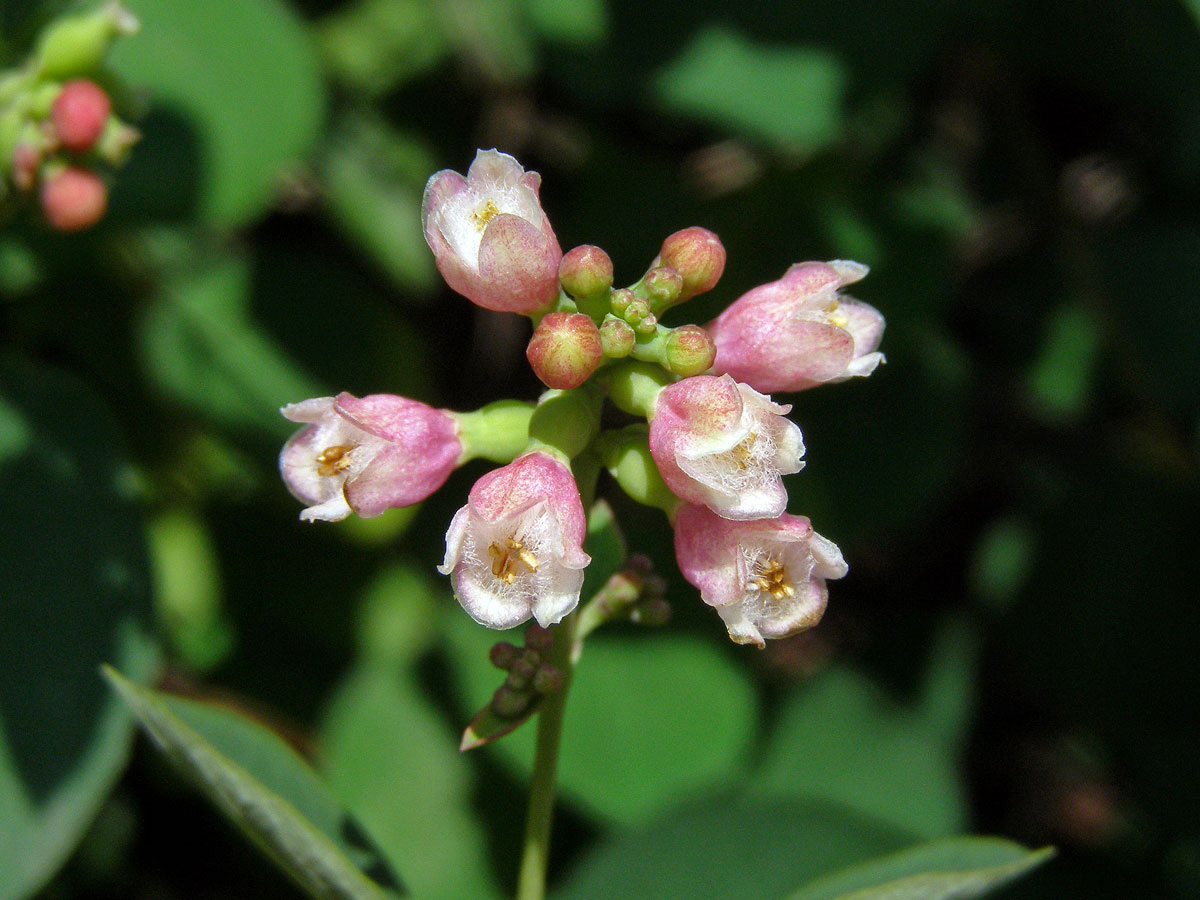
[256,781]
[955,869]
[606,546]
[75,593]
[730,847]
[580,23]
[841,738]
[202,348]
[243,76]
[790,96]
[650,717]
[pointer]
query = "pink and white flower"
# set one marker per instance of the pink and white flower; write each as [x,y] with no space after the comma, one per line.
[798,332]
[721,444]
[366,455]
[516,549]
[766,578]
[489,236]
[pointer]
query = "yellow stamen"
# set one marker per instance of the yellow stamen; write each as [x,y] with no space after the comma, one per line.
[509,557]
[334,459]
[743,451]
[770,576]
[485,214]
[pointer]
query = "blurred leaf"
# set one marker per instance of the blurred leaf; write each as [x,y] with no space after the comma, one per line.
[791,96]
[392,759]
[583,23]
[492,35]
[730,847]
[649,719]
[245,74]
[1060,376]
[841,738]
[266,790]
[75,593]
[955,869]
[1002,560]
[188,587]
[606,546]
[377,45]
[374,179]
[202,349]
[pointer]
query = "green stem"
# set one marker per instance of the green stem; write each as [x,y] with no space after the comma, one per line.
[531,882]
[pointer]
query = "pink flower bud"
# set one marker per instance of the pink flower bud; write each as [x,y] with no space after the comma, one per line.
[79,114]
[366,455]
[766,578]
[698,256]
[489,236]
[74,199]
[723,445]
[586,271]
[798,332]
[516,548]
[565,350]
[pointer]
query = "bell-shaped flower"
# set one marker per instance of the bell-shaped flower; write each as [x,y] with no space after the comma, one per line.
[798,332]
[766,578]
[489,236]
[721,444]
[368,454]
[516,548]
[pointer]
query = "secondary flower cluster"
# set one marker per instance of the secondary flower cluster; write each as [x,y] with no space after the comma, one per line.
[707,446]
[57,124]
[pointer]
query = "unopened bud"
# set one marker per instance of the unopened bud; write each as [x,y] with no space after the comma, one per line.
[531,656]
[26,159]
[116,141]
[663,286]
[79,113]
[77,45]
[586,271]
[74,199]
[648,325]
[616,338]
[690,351]
[520,673]
[508,703]
[502,655]
[653,612]
[539,638]
[547,680]
[565,350]
[621,299]
[698,256]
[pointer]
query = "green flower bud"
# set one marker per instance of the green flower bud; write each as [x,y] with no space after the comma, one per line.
[616,337]
[77,45]
[547,680]
[565,350]
[689,351]
[508,703]
[698,256]
[586,272]
[663,286]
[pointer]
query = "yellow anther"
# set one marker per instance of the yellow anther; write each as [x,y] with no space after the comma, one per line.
[770,576]
[507,559]
[334,459]
[485,214]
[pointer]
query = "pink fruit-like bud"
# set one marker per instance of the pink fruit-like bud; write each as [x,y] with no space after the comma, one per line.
[565,350]
[766,578]
[617,337]
[690,351]
[366,455]
[516,549]
[798,332]
[79,114]
[698,256]
[26,160]
[586,271]
[723,445]
[74,199]
[490,238]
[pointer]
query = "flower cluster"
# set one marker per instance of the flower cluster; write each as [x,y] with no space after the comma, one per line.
[57,123]
[707,445]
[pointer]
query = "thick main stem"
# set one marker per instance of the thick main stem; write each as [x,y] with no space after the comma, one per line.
[531,882]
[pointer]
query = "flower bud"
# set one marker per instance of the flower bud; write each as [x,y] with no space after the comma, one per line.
[663,286]
[616,338]
[74,199]
[539,638]
[547,680]
[565,350]
[77,45]
[489,236]
[510,703]
[516,549]
[698,256]
[689,351]
[79,114]
[586,272]
[366,455]
[723,445]
[502,655]
[765,577]
[798,332]
[520,673]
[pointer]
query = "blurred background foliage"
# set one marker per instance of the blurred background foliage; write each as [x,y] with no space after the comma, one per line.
[1014,651]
